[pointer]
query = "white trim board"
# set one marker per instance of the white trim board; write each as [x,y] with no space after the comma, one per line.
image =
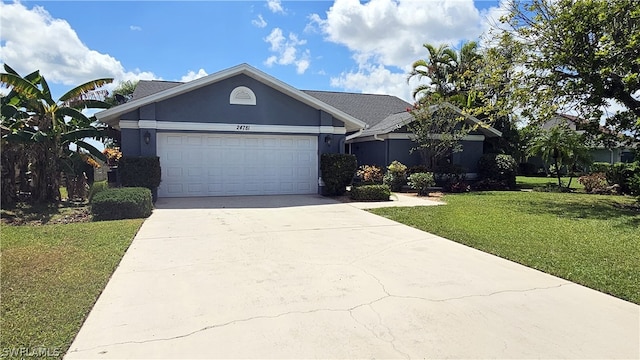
[410,136]
[230,127]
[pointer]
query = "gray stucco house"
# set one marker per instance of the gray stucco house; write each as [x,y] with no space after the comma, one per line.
[241,131]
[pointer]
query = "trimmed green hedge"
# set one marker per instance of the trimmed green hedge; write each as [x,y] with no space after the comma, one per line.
[140,171]
[371,193]
[121,203]
[338,171]
[97,187]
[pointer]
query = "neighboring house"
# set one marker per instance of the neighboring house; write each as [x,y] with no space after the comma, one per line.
[243,132]
[599,152]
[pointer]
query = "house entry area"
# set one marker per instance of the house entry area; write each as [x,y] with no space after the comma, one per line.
[205,164]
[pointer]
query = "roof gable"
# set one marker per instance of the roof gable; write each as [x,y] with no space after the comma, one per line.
[396,121]
[155,91]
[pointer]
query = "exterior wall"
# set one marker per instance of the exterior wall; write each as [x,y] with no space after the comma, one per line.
[468,158]
[210,104]
[370,152]
[382,153]
[401,150]
[605,155]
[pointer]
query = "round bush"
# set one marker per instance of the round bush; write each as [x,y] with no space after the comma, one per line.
[121,203]
[421,182]
[498,167]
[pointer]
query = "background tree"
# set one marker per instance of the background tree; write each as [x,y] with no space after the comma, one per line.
[452,80]
[562,55]
[564,147]
[122,93]
[51,131]
[437,129]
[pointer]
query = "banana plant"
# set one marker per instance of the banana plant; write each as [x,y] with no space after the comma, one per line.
[51,130]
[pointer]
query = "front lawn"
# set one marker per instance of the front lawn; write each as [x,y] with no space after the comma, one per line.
[592,240]
[51,277]
[530,182]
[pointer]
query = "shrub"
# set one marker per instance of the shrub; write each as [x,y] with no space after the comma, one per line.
[527,169]
[371,193]
[622,174]
[97,187]
[121,203]
[140,171]
[599,167]
[417,169]
[458,187]
[396,176]
[490,184]
[421,182]
[594,182]
[449,174]
[337,172]
[499,167]
[370,174]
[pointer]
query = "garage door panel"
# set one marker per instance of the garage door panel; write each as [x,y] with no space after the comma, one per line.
[237,164]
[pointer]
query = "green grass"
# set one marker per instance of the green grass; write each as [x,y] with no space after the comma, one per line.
[529,182]
[52,276]
[588,239]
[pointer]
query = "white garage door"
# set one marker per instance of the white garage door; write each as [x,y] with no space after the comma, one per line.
[237,164]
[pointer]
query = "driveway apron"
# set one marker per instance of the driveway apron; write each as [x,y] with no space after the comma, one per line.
[308,277]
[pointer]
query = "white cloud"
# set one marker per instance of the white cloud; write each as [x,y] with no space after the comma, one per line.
[191,75]
[259,22]
[135,28]
[286,51]
[392,32]
[387,36]
[376,79]
[275,6]
[33,40]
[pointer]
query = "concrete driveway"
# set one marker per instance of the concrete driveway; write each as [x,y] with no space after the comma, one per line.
[307,277]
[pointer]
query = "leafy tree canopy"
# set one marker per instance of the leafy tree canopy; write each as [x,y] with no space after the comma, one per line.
[551,56]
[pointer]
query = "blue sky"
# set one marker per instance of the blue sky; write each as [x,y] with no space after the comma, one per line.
[341,45]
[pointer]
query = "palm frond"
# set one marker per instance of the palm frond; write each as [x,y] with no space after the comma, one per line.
[85,88]
[21,86]
[92,150]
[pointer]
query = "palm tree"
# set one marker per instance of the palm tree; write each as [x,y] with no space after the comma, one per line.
[450,72]
[561,145]
[48,127]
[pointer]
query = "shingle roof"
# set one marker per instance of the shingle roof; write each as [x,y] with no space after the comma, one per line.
[370,108]
[150,87]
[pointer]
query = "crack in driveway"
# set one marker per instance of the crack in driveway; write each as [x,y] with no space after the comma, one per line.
[349,310]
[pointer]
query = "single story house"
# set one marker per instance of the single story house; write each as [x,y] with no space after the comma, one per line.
[387,137]
[241,131]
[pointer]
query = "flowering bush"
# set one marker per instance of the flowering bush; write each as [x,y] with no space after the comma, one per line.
[113,155]
[594,182]
[370,174]
[396,176]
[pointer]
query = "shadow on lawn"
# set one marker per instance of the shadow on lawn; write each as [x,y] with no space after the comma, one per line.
[602,209]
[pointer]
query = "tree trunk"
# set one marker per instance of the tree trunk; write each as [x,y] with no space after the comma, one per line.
[9,193]
[558,173]
[45,177]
